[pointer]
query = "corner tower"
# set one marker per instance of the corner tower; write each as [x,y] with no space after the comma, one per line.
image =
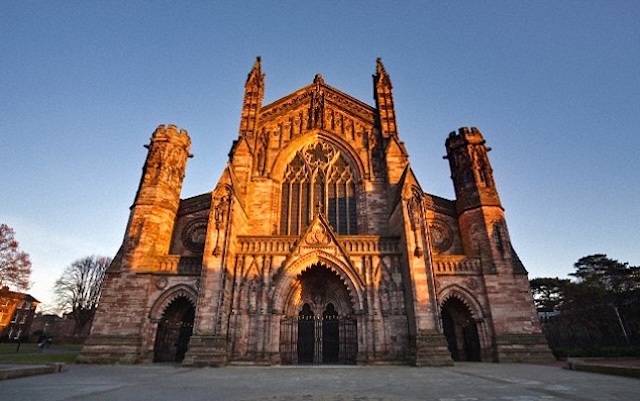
[470,169]
[154,210]
[477,200]
[118,332]
[516,332]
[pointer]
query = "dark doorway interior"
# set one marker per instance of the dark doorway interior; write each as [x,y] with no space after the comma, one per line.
[323,330]
[460,330]
[174,331]
[306,335]
[330,335]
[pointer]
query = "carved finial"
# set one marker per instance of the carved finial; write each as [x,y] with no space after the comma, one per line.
[257,63]
[381,77]
[316,111]
[256,76]
[380,67]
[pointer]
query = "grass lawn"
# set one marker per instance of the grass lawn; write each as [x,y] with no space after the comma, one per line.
[30,354]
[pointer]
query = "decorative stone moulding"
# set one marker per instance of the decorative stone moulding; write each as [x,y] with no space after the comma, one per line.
[441,236]
[194,235]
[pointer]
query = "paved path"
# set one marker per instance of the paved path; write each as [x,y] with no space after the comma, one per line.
[464,382]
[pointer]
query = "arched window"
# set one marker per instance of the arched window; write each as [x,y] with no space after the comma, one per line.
[318,179]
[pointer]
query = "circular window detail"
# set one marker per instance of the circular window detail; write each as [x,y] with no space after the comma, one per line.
[161,283]
[472,283]
[194,235]
[441,236]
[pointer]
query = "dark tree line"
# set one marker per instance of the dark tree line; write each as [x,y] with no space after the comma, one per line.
[599,308]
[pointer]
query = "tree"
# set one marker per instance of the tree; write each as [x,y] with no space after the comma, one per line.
[15,266]
[548,293]
[600,307]
[607,280]
[78,289]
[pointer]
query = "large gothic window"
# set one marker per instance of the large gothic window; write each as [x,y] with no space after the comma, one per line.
[318,179]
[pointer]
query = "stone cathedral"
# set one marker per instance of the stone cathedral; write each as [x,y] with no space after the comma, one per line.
[317,245]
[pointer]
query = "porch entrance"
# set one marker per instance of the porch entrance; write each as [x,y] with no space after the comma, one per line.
[323,330]
[174,331]
[460,330]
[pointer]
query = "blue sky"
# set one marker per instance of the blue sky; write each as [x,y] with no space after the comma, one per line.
[553,86]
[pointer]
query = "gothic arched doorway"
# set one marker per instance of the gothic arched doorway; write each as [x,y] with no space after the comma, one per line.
[174,331]
[460,330]
[319,327]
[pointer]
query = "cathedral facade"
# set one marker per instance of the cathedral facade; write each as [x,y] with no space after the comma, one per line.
[317,246]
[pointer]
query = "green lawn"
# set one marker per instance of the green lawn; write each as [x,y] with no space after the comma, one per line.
[30,354]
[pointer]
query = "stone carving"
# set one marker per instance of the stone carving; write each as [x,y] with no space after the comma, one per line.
[472,283]
[221,212]
[319,154]
[377,154]
[441,235]
[261,152]
[221,209]
[194,235]
[414,209]
[161,283]
[318,236]
[164,165]
[316,110]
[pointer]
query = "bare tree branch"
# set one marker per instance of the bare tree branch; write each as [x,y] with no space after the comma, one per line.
[15,266]
[78,289]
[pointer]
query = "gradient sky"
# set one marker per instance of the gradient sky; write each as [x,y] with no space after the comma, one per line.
[554,86]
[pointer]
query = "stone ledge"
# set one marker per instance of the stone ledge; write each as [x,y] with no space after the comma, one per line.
[111,349]
[603,368]
[15,371]
[432,350]
[206,350]
[527,348]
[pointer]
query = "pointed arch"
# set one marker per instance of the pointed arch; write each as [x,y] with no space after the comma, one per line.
[462,324]
[325,280]
[174,313]
[463,295]
[170,295]
[285,285]
[286,155]
[320,176]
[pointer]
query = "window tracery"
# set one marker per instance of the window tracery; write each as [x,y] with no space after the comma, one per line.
[318,179]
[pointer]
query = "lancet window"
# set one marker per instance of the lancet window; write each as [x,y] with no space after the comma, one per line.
[318,179]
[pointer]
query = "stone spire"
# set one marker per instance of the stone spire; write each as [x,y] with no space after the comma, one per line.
[253,97]
[384,101]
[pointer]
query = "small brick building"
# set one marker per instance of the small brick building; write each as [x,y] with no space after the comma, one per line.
[316,246]
[17,310]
